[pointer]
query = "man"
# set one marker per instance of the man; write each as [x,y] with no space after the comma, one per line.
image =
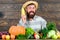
[28,17]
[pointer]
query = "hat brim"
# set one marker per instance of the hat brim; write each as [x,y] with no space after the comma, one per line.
[29,2]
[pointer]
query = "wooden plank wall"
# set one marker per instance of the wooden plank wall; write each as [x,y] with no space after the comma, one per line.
[10,12]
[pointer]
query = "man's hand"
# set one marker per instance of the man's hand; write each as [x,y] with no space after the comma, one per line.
[23,18]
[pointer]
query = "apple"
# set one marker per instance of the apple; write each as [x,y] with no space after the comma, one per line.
[7,37]
[3,36]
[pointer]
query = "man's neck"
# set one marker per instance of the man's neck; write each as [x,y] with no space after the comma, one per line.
[30,19]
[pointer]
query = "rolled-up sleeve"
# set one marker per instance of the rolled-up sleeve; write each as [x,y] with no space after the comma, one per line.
[43,24]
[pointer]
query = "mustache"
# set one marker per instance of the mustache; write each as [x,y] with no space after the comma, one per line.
[31,12]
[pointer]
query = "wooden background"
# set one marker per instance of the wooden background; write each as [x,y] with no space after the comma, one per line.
[10,12]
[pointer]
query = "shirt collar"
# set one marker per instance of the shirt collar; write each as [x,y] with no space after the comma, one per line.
[33,18]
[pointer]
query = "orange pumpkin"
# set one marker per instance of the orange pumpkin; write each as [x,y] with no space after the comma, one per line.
[12,36]
[16,30]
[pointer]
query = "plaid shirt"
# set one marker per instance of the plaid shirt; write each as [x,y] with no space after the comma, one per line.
[37,23]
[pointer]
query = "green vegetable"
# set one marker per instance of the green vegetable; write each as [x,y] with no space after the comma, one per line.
[51,26]
[51,33]
[44,32]
[20,36]
[29,32]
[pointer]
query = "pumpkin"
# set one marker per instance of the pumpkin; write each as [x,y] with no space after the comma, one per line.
[12,36]
[16,30]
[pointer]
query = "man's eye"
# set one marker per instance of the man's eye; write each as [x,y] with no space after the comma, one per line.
[33,7]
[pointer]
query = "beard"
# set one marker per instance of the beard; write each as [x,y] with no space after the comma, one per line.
[31,14]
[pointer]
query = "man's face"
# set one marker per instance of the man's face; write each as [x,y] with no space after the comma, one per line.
[30,11]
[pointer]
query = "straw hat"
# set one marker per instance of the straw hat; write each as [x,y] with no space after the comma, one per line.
[25,5]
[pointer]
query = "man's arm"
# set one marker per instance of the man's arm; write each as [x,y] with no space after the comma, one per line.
[21,23]
[43,24]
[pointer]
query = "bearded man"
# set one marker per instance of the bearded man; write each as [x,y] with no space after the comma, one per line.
[29,17]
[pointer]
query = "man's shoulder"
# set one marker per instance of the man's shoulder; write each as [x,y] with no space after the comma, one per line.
[39,18]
